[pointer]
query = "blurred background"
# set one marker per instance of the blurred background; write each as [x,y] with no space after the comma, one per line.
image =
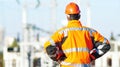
[26,24]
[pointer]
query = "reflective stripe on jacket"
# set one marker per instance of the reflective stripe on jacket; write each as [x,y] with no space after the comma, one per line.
[76,42]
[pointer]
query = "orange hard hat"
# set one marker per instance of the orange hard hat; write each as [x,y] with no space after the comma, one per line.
[72,8]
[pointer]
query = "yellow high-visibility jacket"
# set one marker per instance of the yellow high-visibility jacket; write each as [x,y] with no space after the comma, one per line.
[78,44]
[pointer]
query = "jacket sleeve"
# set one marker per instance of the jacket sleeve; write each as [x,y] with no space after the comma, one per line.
[52,47]
[101,46]
[54,40]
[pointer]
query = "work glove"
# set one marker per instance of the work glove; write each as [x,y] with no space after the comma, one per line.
[55,53]
[95,53]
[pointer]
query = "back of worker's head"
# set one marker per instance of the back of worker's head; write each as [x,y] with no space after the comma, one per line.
[73,12]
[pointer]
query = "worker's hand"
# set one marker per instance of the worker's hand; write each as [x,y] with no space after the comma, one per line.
[52,52]
[92,52]
[95,53]
[55,53]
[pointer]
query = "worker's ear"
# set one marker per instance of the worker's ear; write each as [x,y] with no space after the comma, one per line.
[68,17]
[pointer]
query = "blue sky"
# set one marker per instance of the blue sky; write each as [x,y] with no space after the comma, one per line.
[105,15]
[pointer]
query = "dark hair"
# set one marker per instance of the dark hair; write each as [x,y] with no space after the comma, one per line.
[74,16]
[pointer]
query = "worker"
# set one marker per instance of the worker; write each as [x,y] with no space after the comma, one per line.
[76,45]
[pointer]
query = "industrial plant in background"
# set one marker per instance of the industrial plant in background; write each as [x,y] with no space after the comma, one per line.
[29,53]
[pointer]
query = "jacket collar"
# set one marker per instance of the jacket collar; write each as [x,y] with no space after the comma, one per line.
[74,23]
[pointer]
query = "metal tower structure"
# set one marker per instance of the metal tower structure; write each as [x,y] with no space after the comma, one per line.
[26,48]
